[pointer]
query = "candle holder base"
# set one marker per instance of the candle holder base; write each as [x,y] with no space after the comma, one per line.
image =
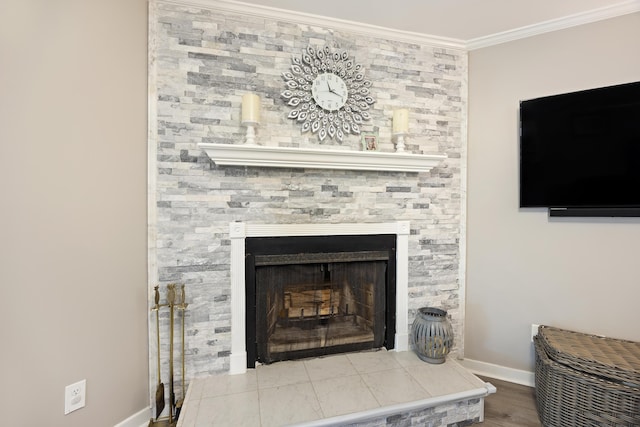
[399,137]
[251,134]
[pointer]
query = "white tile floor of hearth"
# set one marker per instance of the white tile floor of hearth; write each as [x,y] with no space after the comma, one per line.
[331,390]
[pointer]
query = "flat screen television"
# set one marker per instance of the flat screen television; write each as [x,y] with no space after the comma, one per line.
[580,152]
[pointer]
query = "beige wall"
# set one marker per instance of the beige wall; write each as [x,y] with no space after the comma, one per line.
[523,267]
[73,183]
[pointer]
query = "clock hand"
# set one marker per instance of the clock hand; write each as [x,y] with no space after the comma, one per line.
[333,91]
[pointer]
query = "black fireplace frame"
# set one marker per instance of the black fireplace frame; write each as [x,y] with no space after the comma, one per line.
[283,245]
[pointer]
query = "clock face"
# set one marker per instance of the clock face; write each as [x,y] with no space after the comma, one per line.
[327,92]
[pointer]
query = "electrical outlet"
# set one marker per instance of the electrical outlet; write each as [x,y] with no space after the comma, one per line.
[74,396]
[534,330]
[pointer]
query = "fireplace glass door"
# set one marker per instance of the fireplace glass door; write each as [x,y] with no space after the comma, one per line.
[316,304]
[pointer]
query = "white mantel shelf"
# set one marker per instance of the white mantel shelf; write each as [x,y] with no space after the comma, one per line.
[285,157]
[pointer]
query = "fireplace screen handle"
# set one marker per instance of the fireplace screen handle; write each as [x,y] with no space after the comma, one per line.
[326,270]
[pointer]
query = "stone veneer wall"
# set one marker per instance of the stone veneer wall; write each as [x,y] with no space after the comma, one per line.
[202,61]
[456,414]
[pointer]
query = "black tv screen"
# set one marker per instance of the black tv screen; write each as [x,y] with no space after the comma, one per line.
[581,149]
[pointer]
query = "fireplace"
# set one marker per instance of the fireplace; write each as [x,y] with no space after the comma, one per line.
[317,295]
[396,300]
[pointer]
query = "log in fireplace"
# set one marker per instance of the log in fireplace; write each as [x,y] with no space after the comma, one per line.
[317,295]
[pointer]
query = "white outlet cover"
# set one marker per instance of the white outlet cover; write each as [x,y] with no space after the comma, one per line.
[75,396]
[534,330]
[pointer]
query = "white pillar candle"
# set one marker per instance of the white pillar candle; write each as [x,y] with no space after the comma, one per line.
[250,108]
[401,121]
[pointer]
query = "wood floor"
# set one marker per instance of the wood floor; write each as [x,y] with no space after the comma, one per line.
[513,405]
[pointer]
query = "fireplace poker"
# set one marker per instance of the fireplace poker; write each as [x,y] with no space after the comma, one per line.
[171,299]
[182,306]
[160,388]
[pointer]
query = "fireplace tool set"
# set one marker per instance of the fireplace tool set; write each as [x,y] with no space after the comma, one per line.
[174,304]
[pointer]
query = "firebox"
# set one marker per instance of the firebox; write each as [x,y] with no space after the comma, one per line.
[316,295]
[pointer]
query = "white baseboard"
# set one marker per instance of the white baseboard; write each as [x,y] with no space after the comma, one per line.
[139,419]
[499,372]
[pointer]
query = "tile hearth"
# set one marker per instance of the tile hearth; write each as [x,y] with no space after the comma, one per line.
[368,388]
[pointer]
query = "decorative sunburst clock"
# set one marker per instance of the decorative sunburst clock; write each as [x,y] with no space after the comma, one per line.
[328,93]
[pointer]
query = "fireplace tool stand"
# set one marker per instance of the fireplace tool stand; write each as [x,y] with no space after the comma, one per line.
[174,406]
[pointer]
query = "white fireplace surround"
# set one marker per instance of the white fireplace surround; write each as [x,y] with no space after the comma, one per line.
[239,231]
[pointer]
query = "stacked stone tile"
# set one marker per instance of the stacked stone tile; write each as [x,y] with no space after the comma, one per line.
[204,61]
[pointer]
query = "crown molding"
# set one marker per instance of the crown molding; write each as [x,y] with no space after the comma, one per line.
[619,9]
[321,21]
[607,12]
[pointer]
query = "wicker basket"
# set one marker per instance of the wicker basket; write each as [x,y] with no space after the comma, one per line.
[567,396]
[614,359]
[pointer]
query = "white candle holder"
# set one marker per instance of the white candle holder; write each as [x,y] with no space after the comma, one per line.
[400,127]
[250,116]
[251,133]
[399,137]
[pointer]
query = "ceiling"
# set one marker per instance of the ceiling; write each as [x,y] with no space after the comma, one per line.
[456,19]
